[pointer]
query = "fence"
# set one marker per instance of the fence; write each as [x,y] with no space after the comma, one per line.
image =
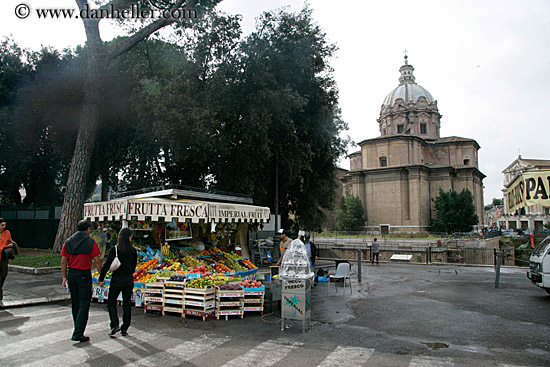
[34,227]
[428,254]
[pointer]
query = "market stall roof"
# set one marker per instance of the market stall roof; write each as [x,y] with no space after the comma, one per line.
[184,192]
[156,209]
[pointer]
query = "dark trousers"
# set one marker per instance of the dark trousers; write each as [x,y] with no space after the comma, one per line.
[3,274]
[375,255]
[80,286]
[125,286]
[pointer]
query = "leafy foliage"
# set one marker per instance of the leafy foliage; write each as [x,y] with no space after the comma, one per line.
[454,212]
[210,109]
[351,214]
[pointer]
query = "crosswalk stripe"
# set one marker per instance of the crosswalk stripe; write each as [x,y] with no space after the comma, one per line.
[78,356]
[41,322]
[430,362]
[28,344]
[347,356]
[184,351]
[30,312]
[265,354]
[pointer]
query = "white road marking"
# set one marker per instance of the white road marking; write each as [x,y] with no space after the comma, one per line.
[347,356]
[265,354]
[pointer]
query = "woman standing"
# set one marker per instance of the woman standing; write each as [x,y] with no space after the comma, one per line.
[6,252]
[121,281]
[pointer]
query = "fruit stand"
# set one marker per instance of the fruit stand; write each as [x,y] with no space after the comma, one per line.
[180,240]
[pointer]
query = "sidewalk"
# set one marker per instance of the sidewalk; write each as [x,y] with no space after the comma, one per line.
[25,289]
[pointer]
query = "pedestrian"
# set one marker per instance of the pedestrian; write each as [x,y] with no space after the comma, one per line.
[7,250]
[78,253]
[375,250]
[312,253]
[121,281]
[283,244]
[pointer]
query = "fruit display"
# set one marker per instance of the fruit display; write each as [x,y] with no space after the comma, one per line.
[201,269]
[221,269]
[177,278]
[231,255]
[230,287]
[247,263]
[191,262]
[138,274]
[149,265]
[200,282]
[250,283]
[165,250]
[166,273]
[107,276]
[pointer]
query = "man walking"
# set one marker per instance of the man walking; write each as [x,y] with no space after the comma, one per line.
[78,253]
[375,251]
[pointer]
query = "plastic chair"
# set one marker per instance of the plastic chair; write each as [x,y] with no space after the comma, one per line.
[342,272]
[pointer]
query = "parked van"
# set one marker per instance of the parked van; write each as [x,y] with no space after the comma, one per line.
[539,265]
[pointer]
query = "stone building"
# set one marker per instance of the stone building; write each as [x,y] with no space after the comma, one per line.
[397,174]
[533,216]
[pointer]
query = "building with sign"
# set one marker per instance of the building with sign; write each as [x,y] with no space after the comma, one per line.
[526,195]
[398,174]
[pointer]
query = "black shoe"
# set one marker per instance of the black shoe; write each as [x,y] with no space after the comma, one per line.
[124,333]
[81,338]
[114,331]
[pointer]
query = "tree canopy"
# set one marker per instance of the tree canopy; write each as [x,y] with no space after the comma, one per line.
[454,212]
[351,214]
[210,109]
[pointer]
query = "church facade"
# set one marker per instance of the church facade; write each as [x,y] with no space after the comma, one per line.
[398,175]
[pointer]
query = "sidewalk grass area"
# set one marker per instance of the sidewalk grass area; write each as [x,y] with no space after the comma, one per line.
[36,258]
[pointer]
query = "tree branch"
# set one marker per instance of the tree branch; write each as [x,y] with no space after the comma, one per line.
[126,44]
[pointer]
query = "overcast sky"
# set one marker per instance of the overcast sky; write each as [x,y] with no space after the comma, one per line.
[487,63]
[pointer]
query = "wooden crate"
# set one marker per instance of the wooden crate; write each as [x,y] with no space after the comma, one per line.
[254,299]
[229,302]
[199,302]
[154,297]
[173,297]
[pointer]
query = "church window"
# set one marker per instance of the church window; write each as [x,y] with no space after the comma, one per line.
[399,129]
[423,129]
[383,162]
[466,162]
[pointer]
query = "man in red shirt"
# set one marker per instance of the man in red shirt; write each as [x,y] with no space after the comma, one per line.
[78,253]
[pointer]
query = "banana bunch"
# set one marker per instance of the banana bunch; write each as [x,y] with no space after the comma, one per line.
[165,250]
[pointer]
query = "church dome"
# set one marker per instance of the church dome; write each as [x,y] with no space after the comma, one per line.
[409,109]
[407,89]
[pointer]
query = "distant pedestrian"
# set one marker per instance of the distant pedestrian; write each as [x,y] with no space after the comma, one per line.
[283,244]
[77,254]
[312,252]
[7,248]
[121,281]
[375,250]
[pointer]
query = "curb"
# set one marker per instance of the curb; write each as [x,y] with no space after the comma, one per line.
[34,301]
[29,270]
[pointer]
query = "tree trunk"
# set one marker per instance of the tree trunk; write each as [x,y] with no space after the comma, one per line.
[73,201]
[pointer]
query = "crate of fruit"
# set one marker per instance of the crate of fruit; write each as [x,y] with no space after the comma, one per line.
[229,290]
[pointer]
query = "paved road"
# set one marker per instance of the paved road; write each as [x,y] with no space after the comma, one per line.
[400,315]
